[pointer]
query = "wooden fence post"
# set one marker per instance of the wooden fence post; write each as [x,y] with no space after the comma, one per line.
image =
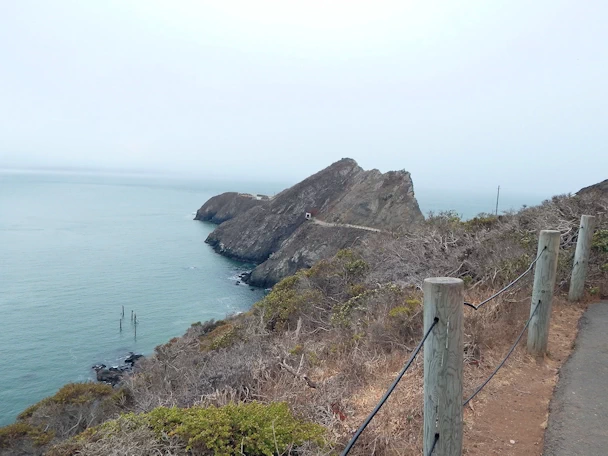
[542,293]
[443,361]
[581,258]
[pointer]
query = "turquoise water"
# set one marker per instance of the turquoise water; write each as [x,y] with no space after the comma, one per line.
[75,248]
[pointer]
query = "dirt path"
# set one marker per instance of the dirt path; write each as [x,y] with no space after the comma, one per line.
[346,225]
[509,416]
[578,421]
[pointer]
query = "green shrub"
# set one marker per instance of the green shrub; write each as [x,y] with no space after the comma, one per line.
[481,222]
[225,339]
[356,267]
[341,315]
[594,291]
[256,428]
[346,255]
[405,310]
[9,434]
[235,429]
[600,241]
[72,393]
[285,300]
[444,218]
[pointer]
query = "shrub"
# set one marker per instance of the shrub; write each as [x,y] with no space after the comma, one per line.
[255,428]
[225,339]
[9,434]
[285,301]
[481,222]
[235,429]
[600,240]
[72,393]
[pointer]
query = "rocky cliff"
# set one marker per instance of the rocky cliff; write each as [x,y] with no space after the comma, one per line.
[226,206]
[599,188]
[275,233]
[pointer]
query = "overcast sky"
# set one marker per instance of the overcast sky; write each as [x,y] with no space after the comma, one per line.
[459,93]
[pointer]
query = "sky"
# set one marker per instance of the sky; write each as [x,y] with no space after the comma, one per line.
[467,94]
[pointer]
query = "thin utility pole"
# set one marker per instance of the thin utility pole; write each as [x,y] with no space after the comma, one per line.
[497,196]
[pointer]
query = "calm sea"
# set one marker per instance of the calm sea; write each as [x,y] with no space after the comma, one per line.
[76,248]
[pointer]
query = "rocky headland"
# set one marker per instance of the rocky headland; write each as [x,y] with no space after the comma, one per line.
[345,205]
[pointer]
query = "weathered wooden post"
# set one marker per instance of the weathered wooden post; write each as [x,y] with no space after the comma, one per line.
[581,258]
[542,293]
[443,360]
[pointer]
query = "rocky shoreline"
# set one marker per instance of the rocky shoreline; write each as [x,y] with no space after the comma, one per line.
[113,375]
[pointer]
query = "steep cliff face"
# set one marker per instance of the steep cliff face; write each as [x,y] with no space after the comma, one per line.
[307,245]
[341,194]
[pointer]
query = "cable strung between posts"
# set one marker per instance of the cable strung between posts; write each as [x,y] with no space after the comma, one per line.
[433,445]
[480,387]
[508,286]
[390,390]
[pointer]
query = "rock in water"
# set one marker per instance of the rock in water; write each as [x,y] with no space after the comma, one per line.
[342,199]
[113,375]
[132,358]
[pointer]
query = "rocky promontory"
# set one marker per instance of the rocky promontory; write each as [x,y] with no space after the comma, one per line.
[227,205]
[332,209]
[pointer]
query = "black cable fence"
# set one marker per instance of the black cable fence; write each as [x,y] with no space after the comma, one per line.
[434,444]
[389,391]
[509,353]
[415,352]
[497,294]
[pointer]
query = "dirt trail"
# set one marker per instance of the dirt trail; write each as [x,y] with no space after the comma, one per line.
[578,421]
[346,225]
[510,415]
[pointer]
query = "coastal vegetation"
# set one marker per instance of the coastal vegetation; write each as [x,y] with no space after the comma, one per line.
[298,372]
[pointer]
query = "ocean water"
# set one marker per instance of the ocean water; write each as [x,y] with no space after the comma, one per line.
[76,248]
[468,203]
